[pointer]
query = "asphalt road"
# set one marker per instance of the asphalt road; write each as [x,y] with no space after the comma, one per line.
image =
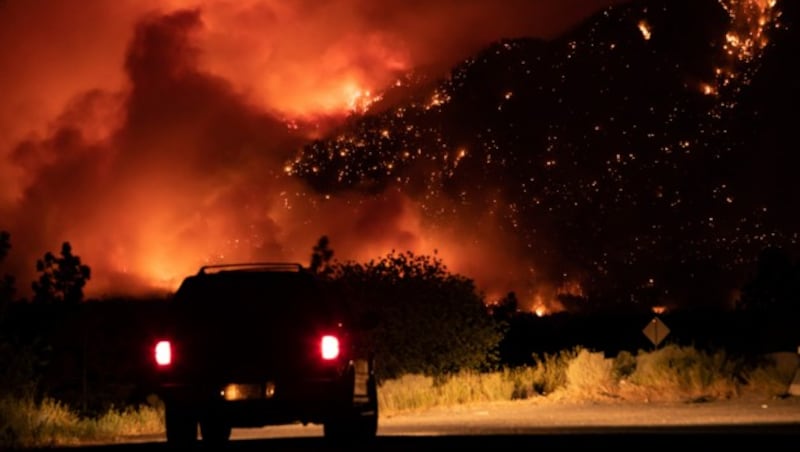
[767,424]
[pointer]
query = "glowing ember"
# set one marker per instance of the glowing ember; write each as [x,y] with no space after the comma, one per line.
[708,90]
[644,28]
[437,100]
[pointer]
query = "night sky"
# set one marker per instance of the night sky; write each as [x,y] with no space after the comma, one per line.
[638,152]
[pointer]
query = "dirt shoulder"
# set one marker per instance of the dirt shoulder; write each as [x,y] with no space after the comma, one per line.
[750,410]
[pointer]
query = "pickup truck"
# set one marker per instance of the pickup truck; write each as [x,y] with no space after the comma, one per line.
[258,344]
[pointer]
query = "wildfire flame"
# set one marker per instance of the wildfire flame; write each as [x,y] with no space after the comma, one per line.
[750,21]
[161,145]
[540,310]
[549,300]
[745,41]
[644,28]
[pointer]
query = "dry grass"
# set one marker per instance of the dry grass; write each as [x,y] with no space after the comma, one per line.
[415,392]
[671,373]
[25,423]
[683,373]
[30,424]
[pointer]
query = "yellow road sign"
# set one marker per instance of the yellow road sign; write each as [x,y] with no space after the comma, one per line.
[656,331]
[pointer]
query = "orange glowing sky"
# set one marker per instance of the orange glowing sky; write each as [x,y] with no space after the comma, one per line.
[152,135]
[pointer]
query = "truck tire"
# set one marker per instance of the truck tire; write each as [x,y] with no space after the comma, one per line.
[214,431]
[355,423]
[181,425]
[368,414]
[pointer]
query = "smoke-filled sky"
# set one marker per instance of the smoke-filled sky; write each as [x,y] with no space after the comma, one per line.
[153,135]
[645,158]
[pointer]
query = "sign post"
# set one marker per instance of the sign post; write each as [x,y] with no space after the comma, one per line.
[656,331]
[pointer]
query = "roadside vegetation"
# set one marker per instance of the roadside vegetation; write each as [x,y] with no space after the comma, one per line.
[26,423]
[671,373]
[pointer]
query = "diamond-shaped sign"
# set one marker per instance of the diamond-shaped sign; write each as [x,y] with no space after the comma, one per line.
[656,331]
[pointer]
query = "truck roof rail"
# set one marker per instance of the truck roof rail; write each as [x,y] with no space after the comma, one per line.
[252,266]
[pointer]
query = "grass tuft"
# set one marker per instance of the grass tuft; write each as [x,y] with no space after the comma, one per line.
[24,423]
[685,373]
[590,376]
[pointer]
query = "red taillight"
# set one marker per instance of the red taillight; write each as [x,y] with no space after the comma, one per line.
[329,347]
[163,353]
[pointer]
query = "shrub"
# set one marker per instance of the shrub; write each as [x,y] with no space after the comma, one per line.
[427,320]
[590,375]
[550,370]
[624,365]
[771,375]
[675,372]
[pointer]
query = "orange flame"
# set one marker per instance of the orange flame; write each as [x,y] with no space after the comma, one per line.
[145,197]
[746,39]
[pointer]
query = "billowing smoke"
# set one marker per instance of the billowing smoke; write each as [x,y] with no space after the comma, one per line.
[152,135]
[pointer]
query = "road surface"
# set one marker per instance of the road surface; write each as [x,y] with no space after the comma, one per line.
[642,427]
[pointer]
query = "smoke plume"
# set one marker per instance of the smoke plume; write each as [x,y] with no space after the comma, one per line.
[152,135]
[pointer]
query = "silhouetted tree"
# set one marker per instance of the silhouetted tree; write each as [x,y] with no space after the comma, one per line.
[62,278]
[321,257]
[427,320]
